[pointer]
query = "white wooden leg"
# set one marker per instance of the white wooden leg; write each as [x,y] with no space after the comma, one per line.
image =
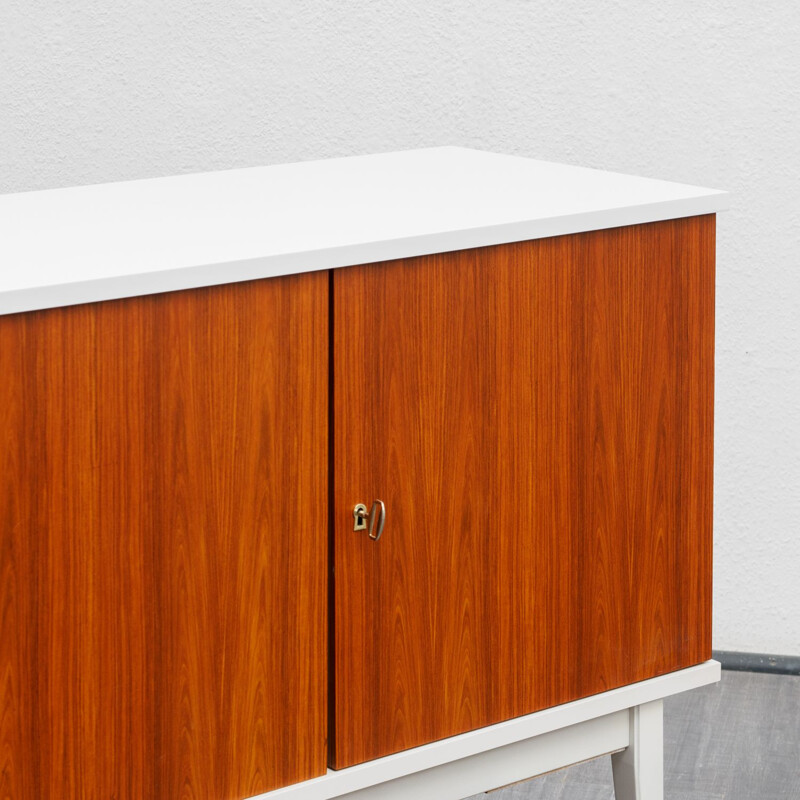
[639,768]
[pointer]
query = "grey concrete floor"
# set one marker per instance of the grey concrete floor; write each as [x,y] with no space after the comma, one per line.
[737,740]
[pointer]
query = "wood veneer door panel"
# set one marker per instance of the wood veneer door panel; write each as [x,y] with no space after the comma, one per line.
[537,418]
[163,624]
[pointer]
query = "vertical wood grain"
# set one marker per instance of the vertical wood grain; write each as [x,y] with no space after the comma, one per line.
[538,419]
[163,621]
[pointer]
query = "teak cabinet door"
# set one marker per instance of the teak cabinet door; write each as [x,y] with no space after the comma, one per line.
[537,418]
[163,544]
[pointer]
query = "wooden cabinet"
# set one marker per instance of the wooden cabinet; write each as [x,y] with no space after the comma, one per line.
[187,427]
[164,626]
[537,418]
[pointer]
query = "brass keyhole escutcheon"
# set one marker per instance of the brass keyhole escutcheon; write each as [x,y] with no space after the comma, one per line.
[360,515]
[366,521]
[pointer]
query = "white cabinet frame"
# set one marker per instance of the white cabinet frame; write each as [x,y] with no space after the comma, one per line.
[626,722]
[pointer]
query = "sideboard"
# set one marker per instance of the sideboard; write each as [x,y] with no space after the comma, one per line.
[376,477]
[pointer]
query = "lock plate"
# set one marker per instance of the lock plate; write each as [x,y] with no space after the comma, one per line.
[360,516]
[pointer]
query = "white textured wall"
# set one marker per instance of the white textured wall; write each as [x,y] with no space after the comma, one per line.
[707,93]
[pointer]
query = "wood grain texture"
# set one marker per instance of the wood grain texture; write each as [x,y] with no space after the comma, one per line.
[538,419]
[163,544]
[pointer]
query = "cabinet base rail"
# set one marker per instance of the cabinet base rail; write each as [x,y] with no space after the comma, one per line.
[625,722]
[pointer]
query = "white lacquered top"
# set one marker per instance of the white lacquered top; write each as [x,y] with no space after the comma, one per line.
[65,246]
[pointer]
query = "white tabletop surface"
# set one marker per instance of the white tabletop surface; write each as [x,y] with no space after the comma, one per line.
[65,246]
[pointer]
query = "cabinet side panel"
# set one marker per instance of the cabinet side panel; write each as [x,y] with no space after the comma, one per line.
[696,253]
[166,632]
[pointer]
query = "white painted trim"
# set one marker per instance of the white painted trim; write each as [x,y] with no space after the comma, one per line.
[505,765]
[431,757]
[63,247]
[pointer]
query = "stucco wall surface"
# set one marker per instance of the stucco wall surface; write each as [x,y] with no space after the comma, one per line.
[701,92]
